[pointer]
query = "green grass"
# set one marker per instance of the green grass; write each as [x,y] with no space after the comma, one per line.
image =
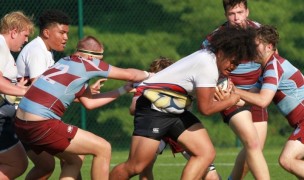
[169,168]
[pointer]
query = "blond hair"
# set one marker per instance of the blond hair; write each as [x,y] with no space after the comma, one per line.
[16,20]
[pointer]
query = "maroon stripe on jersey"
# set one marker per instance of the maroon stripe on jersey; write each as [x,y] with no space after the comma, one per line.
[278,97]
[104,66]
[269,67]
[48,101]
[270,80]
[298,79]
[279,58]
[75,59]
[80,92]
[249,78]
[296,115]
[64,79]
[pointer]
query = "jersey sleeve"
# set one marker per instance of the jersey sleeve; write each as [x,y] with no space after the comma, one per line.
[36,66]
[271,76]
[205,73]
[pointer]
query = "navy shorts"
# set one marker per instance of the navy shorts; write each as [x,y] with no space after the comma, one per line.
[156,125]
[8,138]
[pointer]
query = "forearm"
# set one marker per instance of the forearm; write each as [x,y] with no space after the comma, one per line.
[216,106]
[252,98]
[138,75]
[101,99]
[11,89]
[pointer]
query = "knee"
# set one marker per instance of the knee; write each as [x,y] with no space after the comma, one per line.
[285,162]
[103,148]
[252,144]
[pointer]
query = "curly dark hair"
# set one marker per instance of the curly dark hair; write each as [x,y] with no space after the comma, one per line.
[268,34]
[160,64]
[52,16]
[227,4]
[236,43]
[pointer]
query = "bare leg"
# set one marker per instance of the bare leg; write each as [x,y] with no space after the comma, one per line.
[197,142]
[44,165]
[243,127]
[212,174]
[142,153]
[84,143]
[291,158]
[13,162]
[241,168]
[79,175]
[147,173]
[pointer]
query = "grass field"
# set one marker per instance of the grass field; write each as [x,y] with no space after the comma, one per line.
[169,168]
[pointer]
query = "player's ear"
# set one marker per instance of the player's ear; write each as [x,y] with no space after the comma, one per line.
[46,33]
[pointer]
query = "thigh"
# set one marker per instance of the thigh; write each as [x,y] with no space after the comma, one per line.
[293,149]
[85,142]
[230,112]
[142,151]
[242,125]
[196,140]
[182,122]
[261,128]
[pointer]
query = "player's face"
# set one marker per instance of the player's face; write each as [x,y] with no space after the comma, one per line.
[225,65]
[57,37]
[237,15]
[19,39]
[264,50]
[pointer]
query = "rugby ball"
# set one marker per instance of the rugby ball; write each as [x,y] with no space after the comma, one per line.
[223,83]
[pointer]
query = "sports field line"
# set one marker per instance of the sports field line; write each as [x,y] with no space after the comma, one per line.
[183,164]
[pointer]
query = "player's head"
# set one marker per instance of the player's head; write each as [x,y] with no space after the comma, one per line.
[160,64]
[17,25]
[267,39]
[236,12]
[53,29]
[232,45]
[91,47]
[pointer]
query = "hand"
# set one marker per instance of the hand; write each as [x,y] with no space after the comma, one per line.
[129,87]
[235,97]
[95,88]
[22,83]
[221,95]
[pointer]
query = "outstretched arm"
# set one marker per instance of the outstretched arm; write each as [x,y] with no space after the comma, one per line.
[262,98]
[130,74]
[92,101]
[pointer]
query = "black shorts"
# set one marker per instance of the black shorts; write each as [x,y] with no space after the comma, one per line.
[155,125]
[8,138]
[233,110]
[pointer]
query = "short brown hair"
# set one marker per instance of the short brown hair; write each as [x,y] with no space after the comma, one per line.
[160,64]
[227,4]
[268,34]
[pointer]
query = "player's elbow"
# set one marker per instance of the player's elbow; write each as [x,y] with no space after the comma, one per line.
[206,111]
[88,105]
[263,104]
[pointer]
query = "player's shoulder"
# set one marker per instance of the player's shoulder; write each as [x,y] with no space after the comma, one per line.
[33,48]
[253,23]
